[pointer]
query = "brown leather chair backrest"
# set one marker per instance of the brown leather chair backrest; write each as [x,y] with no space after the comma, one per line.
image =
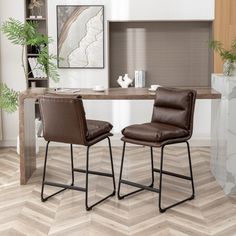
[175,107]
[63,119]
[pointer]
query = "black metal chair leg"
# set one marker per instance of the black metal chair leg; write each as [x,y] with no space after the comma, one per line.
[152,166]
[191,171]
[160,183]
[88,208]
[112,167]
[44,174]
[160,180]
[72,165]
[86,185]
[121,171]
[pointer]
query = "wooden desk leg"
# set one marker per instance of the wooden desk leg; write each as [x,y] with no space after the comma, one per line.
[27,138]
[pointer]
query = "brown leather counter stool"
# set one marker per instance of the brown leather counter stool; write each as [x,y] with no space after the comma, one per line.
[172,122]
[64,121]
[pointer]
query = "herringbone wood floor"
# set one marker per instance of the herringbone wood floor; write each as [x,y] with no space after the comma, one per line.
[22,212]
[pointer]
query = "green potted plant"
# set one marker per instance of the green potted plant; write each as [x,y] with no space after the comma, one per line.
[26,35]
[227,55]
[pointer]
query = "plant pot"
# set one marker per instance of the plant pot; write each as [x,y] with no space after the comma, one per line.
[229,68]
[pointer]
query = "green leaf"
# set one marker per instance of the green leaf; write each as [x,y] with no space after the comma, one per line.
[8,98]
[216,45]
[233,46]
[229,55]
[19,33]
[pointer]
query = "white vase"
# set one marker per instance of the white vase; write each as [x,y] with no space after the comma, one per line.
[229,68]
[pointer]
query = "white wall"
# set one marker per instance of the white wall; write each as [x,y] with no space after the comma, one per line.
[124,10]
[162,10]
[11,72]
[118,112]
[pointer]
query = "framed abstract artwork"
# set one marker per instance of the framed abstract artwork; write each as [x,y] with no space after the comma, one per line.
[80,36]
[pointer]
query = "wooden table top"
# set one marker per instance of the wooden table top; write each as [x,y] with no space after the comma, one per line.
[117,93]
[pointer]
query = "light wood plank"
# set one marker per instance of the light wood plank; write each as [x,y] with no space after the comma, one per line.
[224,27]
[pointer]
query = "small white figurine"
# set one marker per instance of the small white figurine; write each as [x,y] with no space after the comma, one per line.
[125,81]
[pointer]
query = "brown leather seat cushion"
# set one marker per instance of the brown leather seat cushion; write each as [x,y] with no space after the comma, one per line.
[97,128]
[154,132]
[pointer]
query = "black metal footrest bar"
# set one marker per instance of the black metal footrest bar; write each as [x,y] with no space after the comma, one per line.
[177,203]
[46,198]
[93,172]
[128,194]
[139,186]
[100,201]
[64,186]
[173,174]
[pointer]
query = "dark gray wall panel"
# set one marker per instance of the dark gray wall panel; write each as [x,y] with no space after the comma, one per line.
[171,53]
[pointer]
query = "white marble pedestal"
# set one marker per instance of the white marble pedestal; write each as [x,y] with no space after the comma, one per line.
[223,132]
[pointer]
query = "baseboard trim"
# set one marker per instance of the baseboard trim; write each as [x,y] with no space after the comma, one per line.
[8,143]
